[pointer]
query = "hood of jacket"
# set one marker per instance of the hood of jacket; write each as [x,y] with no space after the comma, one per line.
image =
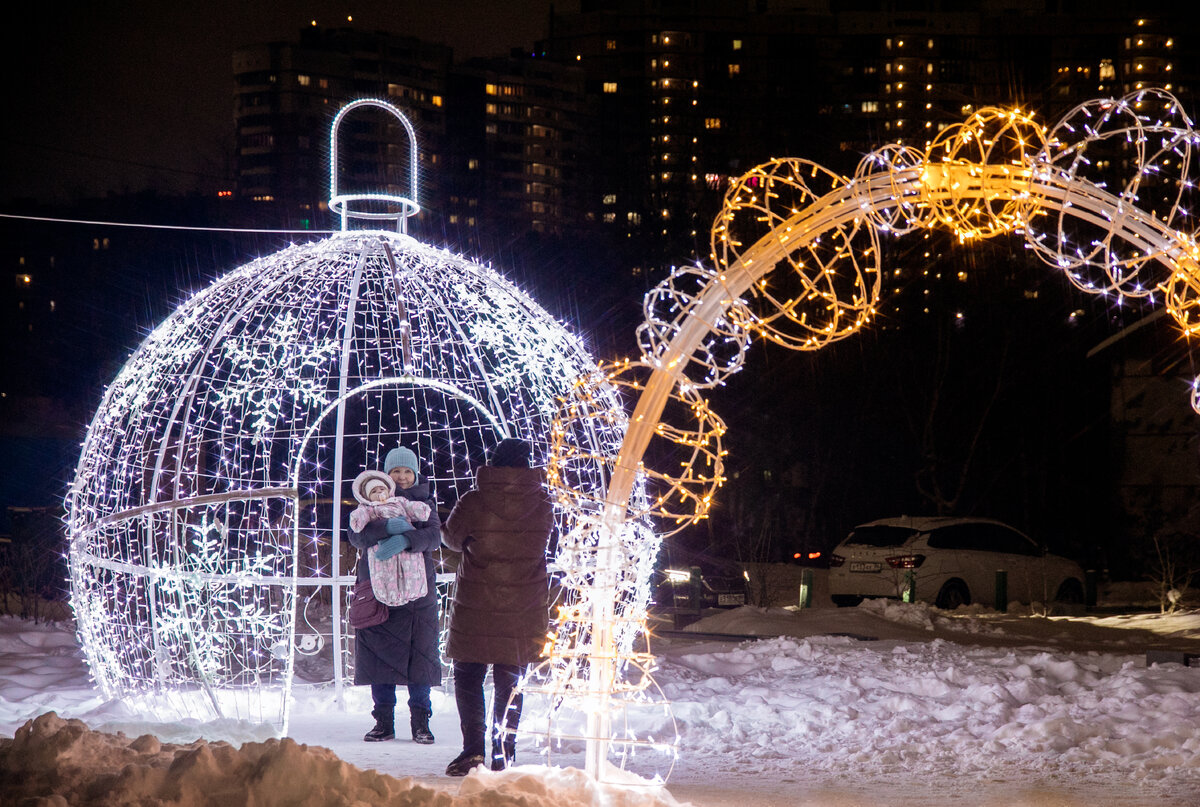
[507,491]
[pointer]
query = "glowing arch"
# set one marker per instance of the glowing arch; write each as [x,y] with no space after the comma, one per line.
[999,171]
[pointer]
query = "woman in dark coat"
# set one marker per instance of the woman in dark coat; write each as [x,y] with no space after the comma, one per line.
[500,612]
[404,649]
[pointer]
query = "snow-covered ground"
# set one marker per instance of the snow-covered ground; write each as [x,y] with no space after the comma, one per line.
[884,704]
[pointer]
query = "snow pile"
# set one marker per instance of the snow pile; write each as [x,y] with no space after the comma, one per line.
[66,762]
[934,710]
[883,704]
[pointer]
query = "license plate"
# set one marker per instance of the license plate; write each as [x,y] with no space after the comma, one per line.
[731,599]
[865,566]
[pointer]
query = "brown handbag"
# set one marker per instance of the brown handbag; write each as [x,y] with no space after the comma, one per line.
[365,610]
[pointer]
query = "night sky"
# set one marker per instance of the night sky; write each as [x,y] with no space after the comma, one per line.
[139,94]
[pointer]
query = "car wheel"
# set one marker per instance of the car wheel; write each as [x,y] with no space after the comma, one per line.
[953,594]
[845,600]
[1070,592]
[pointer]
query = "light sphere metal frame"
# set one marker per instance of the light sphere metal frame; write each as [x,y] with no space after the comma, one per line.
[206,521]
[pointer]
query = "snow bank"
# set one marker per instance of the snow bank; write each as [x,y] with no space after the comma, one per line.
[62,762]
[884,704]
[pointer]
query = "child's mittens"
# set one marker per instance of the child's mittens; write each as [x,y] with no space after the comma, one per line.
[418,511]
[392,546]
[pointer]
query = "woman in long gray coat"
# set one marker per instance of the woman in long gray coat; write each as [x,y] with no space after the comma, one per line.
[402,650]
[500,612]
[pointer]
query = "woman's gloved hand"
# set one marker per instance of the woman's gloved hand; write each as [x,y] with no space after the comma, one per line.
[398,525]
[391,546]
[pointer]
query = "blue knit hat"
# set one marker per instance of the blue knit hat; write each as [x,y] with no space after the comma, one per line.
[401,457]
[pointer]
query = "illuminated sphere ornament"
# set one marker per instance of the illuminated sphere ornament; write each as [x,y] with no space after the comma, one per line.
[973,166]
[672,305]
[833,283]
[904,208]
[207,517]
[1153,142]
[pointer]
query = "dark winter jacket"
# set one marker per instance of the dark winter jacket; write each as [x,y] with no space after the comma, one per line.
[403,650]
[502,527]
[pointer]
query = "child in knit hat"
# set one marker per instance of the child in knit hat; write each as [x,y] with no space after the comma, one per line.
[395,579]
[375,492]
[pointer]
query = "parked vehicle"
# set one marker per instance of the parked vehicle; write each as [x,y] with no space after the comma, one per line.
[949,562]
[677,589]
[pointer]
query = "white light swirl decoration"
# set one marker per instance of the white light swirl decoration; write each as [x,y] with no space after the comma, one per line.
[998,172]
[207,550]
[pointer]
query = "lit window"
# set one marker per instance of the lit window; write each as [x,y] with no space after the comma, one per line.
[735,69]
[712,123]
[303,80]
[609,218]
[323,83]
[610,199]
[437,100]
[473,164]
[490,89]
[870,106]
[610,86]
[610,44]
[737,44]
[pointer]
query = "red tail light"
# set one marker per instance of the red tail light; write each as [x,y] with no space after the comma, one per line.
[836,559]
[905,561]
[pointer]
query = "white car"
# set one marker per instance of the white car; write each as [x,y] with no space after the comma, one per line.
[949,562]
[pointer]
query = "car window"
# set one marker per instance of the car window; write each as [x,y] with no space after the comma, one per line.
[982,538]
[880,535]
[1003,539]
[957,536]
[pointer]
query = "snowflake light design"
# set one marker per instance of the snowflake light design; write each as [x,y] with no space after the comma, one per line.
[208,512]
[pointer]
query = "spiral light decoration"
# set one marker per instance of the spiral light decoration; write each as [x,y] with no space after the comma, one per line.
[795,256]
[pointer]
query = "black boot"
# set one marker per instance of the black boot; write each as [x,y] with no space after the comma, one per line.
[463,763]
[419,719]
[385,725]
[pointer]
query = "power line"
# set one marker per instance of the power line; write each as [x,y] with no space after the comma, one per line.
[162,226]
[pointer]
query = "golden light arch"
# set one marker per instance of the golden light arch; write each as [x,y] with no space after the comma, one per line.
[795,260]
